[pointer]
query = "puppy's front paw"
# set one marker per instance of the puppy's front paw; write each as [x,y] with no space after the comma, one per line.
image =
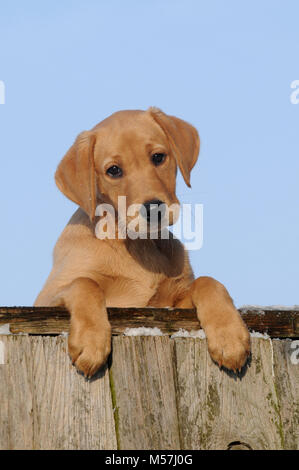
[229,345]
[89,347]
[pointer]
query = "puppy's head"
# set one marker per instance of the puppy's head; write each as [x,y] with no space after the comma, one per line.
[133,154]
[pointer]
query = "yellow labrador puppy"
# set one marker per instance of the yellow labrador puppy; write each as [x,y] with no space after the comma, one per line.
[133,154]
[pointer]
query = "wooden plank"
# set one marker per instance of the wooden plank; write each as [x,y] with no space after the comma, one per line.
[46,404]
[144,393]
[286,368]
[163,393]
[55,320]
[276,322]
[281,323]
[16,409]
[69,411]
[217,408]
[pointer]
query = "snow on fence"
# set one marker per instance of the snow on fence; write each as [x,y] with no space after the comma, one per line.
[160,389]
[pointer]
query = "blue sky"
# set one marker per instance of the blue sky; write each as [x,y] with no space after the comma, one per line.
[226,67]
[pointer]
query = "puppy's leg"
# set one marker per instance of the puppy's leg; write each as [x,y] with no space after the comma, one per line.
[227,335]
[90,331]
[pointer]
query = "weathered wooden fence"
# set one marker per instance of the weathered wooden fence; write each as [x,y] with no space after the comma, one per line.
[157,392]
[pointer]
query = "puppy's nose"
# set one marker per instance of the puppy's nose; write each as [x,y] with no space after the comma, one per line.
[153,209]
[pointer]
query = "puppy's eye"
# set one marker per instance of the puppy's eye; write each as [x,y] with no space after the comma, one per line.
[114,171]
[158,158]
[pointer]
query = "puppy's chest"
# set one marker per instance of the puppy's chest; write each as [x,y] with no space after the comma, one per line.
[133,286]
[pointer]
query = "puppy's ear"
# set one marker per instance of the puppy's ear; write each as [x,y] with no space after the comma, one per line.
[75,175]
[183,139]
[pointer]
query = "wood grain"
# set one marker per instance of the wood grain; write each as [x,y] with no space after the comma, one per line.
[16,397]
[286,369]
[46,404]
[160,393]
[280,323]
[76,413]
[217,408]
[144,393]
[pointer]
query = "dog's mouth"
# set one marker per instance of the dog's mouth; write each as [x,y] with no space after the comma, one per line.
[154,217]
[148,220]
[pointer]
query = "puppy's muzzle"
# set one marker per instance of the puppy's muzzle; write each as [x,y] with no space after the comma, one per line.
[153,210]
